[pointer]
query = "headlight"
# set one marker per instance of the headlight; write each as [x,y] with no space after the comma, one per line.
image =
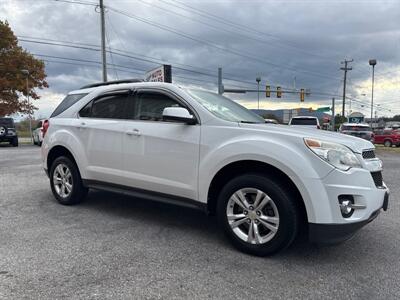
[337,155]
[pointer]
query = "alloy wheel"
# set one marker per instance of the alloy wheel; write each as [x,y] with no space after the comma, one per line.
[62,180]
[252,216]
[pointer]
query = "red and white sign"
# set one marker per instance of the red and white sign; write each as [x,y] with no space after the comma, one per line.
[159,74]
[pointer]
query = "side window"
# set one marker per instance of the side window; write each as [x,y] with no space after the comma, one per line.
[108,107]
[150,105]
[85,112]
[66,103]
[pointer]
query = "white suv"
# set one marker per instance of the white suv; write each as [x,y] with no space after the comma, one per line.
[158,141]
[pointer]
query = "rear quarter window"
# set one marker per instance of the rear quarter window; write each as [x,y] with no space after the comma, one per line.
[66,103]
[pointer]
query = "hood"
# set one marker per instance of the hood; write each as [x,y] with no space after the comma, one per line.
[354,143]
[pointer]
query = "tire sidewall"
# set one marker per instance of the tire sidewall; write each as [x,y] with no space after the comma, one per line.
[288,217]
[387,143]
[76,181]
[5,130]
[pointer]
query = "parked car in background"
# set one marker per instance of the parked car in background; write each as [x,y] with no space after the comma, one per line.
[37,133]
[360,130]
[388,137]
[158,141]
[8,133]
[305,121]
[271,121]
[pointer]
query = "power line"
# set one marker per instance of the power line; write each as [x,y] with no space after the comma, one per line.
[211,44]
[117,52]
[242,27]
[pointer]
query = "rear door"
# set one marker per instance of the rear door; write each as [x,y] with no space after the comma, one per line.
[101,129]
[160,156]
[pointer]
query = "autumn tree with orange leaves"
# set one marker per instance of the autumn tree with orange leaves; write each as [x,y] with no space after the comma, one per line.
[13,59]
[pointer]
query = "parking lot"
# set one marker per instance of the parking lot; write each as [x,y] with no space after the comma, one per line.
[112,246]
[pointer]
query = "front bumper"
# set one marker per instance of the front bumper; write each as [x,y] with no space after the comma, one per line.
[328,234]
[8,138]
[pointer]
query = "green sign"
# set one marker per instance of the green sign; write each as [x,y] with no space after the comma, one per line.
[323,109]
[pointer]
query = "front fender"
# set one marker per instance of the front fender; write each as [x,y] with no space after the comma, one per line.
[292,158]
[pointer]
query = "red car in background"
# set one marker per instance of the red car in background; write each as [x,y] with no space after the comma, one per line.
[388,137]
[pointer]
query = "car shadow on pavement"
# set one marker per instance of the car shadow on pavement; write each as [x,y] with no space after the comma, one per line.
[151,212]
[172,217]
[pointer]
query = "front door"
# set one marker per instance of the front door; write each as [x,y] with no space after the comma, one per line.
[160,156]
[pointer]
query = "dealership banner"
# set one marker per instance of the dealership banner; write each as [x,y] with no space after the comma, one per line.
[160,74]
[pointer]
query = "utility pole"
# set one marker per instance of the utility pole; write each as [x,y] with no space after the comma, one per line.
[103,41]
[26,73]
[220,86]
[345,69]
[372,62]
[258,79]
[333,114]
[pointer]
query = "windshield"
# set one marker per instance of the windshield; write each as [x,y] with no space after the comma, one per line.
[303,121]
[356,128]
[225,108]
[7,122]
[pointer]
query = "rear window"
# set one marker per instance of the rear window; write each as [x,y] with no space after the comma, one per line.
[356,128]
[67,103]
[303,121]
[8,122]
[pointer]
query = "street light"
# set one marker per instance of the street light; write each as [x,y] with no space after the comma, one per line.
[26,73]
[372,62]
[258,79]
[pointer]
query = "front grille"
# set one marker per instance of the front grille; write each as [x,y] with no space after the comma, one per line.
[368,154]
[377,177]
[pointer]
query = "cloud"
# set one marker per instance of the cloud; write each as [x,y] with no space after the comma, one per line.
[277,40]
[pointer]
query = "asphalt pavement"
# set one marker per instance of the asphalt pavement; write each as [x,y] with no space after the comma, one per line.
[116,247]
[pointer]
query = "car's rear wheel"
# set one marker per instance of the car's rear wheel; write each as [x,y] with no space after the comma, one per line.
[258,216]
[66,182]
[387,143]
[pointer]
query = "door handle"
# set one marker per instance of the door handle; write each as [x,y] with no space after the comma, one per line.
[134,132]
[82,125]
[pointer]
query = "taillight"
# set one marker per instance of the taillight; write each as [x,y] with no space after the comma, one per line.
[45,126]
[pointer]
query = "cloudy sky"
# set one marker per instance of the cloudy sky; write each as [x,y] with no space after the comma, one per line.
[287,43]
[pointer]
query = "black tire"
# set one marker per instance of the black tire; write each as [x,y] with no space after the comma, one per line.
[3,131]
[14,142]
[78,192]
[289,214]
[387,143]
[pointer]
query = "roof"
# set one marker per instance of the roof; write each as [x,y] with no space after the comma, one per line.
[356,124]
[304,117]
[122,85]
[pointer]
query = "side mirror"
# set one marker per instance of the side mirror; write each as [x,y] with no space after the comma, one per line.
[178,114]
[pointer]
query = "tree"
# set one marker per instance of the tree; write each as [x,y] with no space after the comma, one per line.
[13,59]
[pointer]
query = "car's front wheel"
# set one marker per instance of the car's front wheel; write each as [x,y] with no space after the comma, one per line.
[66,183]
[258,216]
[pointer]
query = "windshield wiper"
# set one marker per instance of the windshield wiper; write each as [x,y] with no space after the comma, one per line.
[249,122]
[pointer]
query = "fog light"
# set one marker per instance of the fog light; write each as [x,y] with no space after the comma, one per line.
[346,205]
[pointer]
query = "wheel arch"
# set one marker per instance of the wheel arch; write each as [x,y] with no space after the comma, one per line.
[236,168]
[57,151]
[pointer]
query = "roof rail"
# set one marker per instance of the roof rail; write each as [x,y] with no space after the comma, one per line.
[111,82]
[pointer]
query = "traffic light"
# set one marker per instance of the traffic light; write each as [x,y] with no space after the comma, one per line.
[302,94]
[278,92]
[268,91]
